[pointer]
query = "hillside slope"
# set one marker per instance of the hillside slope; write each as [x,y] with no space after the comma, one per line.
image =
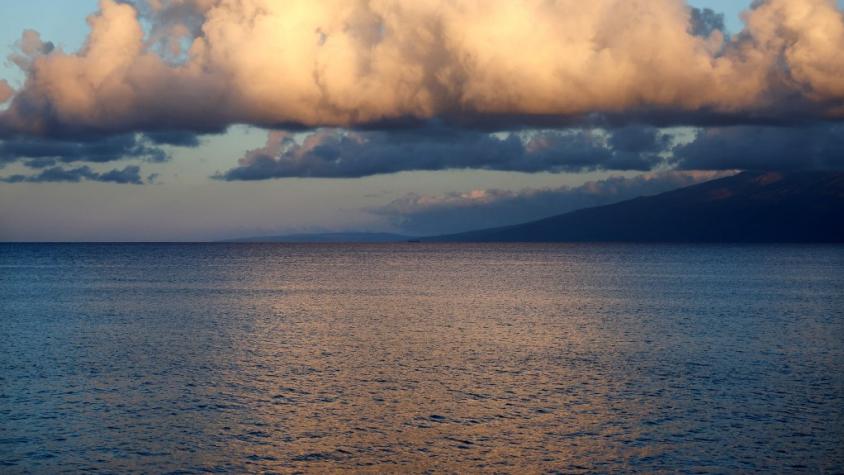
[748,207]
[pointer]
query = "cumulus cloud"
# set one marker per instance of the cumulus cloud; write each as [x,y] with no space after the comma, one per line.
[128,175]
[202,65]
[478,209]
[336,153]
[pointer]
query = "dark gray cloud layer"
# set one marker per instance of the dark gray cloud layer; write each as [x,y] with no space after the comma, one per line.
[130,174]
[334,153]
[175,138]
[40,153]
[813,147]
[48,154]
[457,212]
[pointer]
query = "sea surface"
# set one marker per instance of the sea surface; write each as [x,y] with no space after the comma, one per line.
[194,358]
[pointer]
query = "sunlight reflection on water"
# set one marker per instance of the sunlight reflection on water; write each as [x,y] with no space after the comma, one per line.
[499,358]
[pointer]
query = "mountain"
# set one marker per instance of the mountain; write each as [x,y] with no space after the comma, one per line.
[751,207]
[351,237]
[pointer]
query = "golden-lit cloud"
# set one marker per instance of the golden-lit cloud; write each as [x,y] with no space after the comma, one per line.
[205,64]
[6,91]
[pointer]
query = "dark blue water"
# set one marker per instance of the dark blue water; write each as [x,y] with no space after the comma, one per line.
[407,358]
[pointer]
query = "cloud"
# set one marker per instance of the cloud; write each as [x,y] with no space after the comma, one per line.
[816,146]
[478,209]
[6,91]
[336,153]
[705,22]
[128,175]
[40,153]
[202,65]
[173,138]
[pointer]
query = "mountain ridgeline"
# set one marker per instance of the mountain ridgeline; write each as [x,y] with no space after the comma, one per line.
[750,207]
[325,238]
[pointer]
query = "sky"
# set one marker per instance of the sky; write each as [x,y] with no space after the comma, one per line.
[192,120]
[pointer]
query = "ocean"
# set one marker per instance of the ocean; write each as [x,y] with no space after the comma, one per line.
[196,358]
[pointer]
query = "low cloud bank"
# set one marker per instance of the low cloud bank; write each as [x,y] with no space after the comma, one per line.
[812,147]
[130,174]
[41,153]
[478,209]
[337,153]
